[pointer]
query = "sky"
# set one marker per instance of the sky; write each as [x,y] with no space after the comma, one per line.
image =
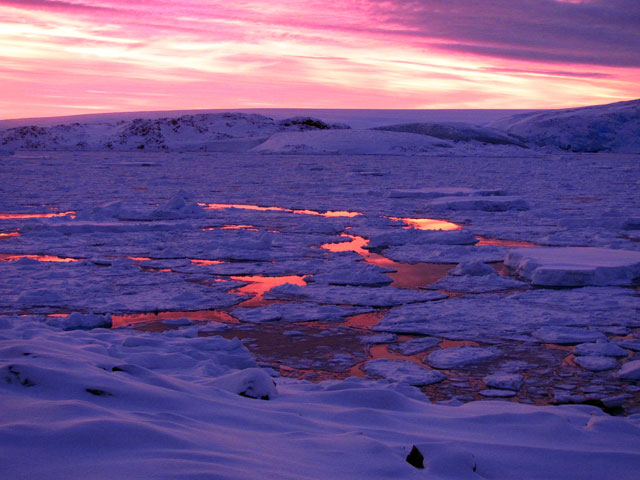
[63,57]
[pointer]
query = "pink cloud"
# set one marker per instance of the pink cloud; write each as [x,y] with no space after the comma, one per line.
[157,54]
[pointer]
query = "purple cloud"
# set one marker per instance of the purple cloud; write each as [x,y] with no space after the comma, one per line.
[597,32]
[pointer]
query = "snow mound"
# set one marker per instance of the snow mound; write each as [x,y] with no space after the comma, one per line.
[399,371]
[251,383]
[458,132]
[351,142]
[81,321]
[602,128]
[575,266]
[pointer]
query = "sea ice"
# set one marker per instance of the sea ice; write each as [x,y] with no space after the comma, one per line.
[484,203]
[596,363]
[629,371]
[567,335]
[461,356]
[296,312]
[491,282]
[575,266]
[360,296]
[411,347]
[399,371]
[445,253]
[504,381]
[607,349]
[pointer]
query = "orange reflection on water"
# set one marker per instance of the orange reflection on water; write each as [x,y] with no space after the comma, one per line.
[356,244]
[199,315]
[8,235]
[259,285]
[239,227]
[482,241]
[41,258]
[427,223]
[406,275]
[7,216]
[140,259]
[197,261]
[328,213]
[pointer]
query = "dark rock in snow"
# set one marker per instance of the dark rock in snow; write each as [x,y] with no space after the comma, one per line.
[415,458]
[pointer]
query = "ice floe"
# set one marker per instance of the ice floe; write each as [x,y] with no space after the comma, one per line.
[399,371]
[575,266]
[361,296]
[461,356]
[596,363]
[504,381]
[605,349]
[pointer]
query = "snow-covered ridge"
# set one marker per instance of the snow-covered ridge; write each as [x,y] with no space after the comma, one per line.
[602,128]
[204,132]
[458,132]
[611,128]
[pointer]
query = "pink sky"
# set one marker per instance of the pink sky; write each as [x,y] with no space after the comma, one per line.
[60,57]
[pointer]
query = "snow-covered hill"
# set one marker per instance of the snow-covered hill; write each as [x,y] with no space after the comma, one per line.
[601,128]
[607,128]
[458,132]
[205,132]
[381,142]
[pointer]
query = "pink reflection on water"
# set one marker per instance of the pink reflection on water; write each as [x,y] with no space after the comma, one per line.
[7,216]
[258,285]
[199,315]
[427,223]
[10,234]
[10,257]
[328,213]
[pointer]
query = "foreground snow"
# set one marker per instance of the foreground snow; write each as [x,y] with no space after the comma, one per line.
[121,404]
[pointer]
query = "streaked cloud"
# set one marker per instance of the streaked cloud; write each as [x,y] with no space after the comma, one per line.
[183,54]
